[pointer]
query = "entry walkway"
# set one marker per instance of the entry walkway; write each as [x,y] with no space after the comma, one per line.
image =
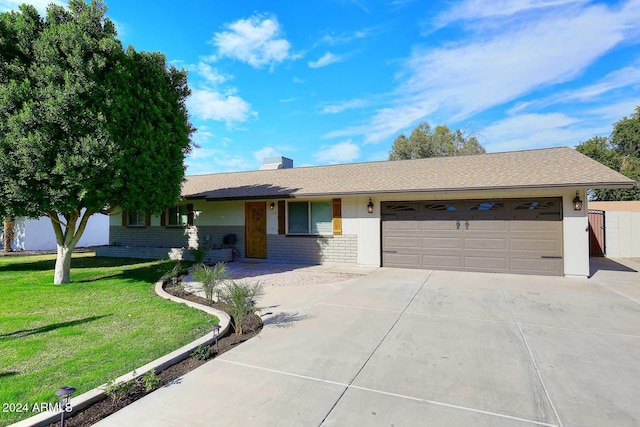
[407,348]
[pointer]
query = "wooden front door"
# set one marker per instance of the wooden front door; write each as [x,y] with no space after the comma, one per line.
[256,229]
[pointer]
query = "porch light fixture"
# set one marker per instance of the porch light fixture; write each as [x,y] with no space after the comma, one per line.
[272,205]
[64,396]
[370,206]
[577,203]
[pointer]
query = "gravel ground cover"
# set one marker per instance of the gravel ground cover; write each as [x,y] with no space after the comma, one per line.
[287,274]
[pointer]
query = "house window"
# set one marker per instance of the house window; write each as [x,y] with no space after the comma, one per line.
[137,219]
[177,216]
[310,218]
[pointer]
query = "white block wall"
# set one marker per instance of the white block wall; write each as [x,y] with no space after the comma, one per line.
[622,234]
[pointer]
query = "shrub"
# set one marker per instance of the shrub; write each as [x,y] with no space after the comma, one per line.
[117,391]
[197,254]
[202,352]
[210,277]
[241,298]
[150,380]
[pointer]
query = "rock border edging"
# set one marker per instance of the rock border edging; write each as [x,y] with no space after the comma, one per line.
[88,398]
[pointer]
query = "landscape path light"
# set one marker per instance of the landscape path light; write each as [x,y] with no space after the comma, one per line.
[216,332]
[64,396]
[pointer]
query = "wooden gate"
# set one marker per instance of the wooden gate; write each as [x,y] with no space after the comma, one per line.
[596,233]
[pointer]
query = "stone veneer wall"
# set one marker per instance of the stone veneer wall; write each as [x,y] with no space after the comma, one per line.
[175,237]
[313,249]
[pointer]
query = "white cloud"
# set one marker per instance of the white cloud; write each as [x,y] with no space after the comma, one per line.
[40,5]
[256,40]
[472,10]
[265,152]
[210,74]
[211,105]
[615,111]
[537,131]
[211,160]
[344,38]
[324,60]
[456,81]
[341,152]
[344,105]
[618,79]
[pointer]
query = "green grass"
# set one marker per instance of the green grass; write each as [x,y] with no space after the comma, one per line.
[105,323]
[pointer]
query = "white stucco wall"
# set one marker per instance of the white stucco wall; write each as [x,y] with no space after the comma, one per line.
[622,238]
[38,235]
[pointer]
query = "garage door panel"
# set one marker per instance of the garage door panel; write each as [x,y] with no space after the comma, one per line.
[437,243]
[538,226]
[486,243]
[485,263]
[453,261]
[487,226]
[402,225]
[403,259]
[401,242]
[439,226]
[536,266]
[540,245]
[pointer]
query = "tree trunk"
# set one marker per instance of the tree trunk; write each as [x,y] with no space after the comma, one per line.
[8,234]
[62,272]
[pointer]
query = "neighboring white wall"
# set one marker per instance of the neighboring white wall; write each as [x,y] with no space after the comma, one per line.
[38,235]
[622,229]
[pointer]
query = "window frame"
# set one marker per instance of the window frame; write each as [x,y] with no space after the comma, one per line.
[329,232]
[138,215]
[179,215]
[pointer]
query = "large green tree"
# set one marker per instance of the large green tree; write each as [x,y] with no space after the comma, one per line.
[441,141]
[85,126]
[621,152]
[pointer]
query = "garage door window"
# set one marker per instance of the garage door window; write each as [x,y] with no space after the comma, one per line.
[310,218]
[487,206]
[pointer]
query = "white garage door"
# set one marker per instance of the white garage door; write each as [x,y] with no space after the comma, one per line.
[507,235]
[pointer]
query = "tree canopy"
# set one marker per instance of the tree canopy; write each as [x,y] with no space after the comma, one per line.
[85,126]
[621,152]
[441,141]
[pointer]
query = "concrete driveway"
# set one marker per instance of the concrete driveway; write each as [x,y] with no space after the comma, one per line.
[409,348]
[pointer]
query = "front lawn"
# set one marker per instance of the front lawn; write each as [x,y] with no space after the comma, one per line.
[105,323]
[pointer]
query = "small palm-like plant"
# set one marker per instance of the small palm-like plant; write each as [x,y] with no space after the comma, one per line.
[211,277]
[241,299]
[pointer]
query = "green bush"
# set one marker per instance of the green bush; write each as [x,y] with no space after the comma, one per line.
[150,380]
[197,254]
[202,352]
[211,277]
[241,299]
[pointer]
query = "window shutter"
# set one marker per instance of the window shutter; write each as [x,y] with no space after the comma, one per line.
[281,216]
[337,217]
[125,216]
[147,220]
[190,214]
[163,218]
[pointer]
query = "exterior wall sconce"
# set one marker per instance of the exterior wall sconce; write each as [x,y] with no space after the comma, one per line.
[64,395]
[370,206]
[577,203]
[272,205]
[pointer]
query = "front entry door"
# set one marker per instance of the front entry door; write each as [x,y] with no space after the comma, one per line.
[256,229]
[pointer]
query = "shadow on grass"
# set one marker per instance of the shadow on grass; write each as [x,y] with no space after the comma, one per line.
[26,332]
[8,374]
[76,263]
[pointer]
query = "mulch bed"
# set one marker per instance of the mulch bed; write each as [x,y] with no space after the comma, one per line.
[110,405]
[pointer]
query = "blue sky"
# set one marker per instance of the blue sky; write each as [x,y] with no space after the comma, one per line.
[336,81]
